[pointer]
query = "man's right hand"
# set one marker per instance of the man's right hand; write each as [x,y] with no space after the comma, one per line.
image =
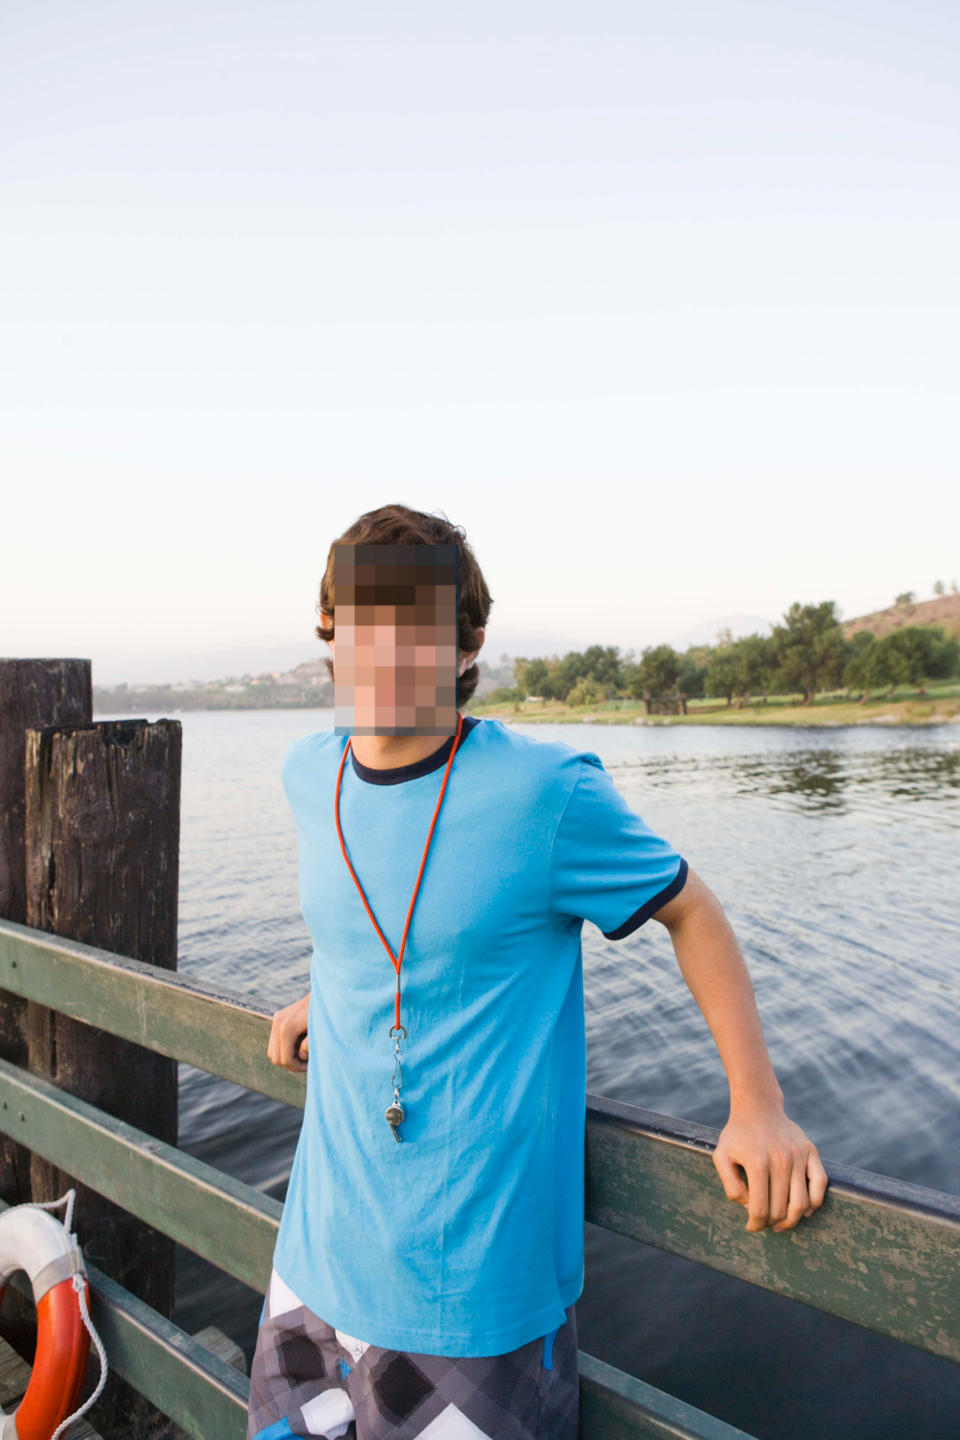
[288,1024]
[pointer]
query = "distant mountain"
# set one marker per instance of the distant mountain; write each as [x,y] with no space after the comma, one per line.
[269,657]
[944,610]
[211,663]
[513,640]
[706,634]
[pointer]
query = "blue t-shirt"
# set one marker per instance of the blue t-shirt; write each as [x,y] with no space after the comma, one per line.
[466,1238]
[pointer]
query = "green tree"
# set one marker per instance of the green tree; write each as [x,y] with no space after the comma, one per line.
[603,666]
[810,649]
[856,667]
[722,673]
[565,673]
[632,678]
[922,651]
[755,665]
[530,676]
[874,663]
[944,656]
[891,663]
[585,692]
[692,672]
[659,668]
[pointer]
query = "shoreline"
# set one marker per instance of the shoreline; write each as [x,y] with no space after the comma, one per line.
[901,716]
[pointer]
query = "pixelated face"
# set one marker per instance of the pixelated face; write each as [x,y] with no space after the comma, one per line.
[395,655]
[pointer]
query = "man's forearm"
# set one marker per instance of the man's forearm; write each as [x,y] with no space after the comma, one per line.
[711,963]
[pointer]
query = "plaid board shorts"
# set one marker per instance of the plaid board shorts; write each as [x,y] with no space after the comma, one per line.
[307,1378]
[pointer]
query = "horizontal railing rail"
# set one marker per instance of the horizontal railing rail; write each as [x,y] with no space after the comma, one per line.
[648,1176]
[882,1252]
[211,1028]
[187,1199]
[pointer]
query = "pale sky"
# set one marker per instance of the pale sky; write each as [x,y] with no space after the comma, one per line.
[659,302]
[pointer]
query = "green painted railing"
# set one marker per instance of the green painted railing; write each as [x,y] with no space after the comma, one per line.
[880,1252]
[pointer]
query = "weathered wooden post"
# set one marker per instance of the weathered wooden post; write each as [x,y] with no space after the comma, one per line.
[102,833]
[32,693]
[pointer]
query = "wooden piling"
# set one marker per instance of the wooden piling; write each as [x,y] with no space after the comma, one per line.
[33,693]
[101,834]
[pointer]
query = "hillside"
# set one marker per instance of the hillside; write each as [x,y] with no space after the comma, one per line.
[943,610]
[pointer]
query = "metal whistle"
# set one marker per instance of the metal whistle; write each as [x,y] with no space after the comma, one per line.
[394,1113]
[394,1118]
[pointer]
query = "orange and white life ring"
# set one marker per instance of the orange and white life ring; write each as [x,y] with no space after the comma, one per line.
[32,1240]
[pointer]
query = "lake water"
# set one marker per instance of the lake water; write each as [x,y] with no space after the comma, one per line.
[834,854]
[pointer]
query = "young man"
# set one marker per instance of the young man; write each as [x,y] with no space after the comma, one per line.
[431,1248]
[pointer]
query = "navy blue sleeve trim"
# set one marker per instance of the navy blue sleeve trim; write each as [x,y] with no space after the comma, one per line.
[651,906]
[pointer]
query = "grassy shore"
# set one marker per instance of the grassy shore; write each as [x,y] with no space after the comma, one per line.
[940,705]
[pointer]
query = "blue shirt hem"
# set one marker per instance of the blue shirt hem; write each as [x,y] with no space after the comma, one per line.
[411,1339]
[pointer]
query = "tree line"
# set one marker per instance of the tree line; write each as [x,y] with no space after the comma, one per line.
[806,652]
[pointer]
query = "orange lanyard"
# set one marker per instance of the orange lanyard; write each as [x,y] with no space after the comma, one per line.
[397,960]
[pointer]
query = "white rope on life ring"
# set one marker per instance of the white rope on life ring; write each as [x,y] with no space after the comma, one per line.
[33,1241]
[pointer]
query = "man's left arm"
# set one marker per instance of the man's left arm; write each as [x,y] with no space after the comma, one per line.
[785,1175]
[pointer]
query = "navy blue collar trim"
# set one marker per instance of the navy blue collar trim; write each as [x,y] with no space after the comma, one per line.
[399,773]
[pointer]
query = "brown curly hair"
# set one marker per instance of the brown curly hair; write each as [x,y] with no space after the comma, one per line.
[399,525]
